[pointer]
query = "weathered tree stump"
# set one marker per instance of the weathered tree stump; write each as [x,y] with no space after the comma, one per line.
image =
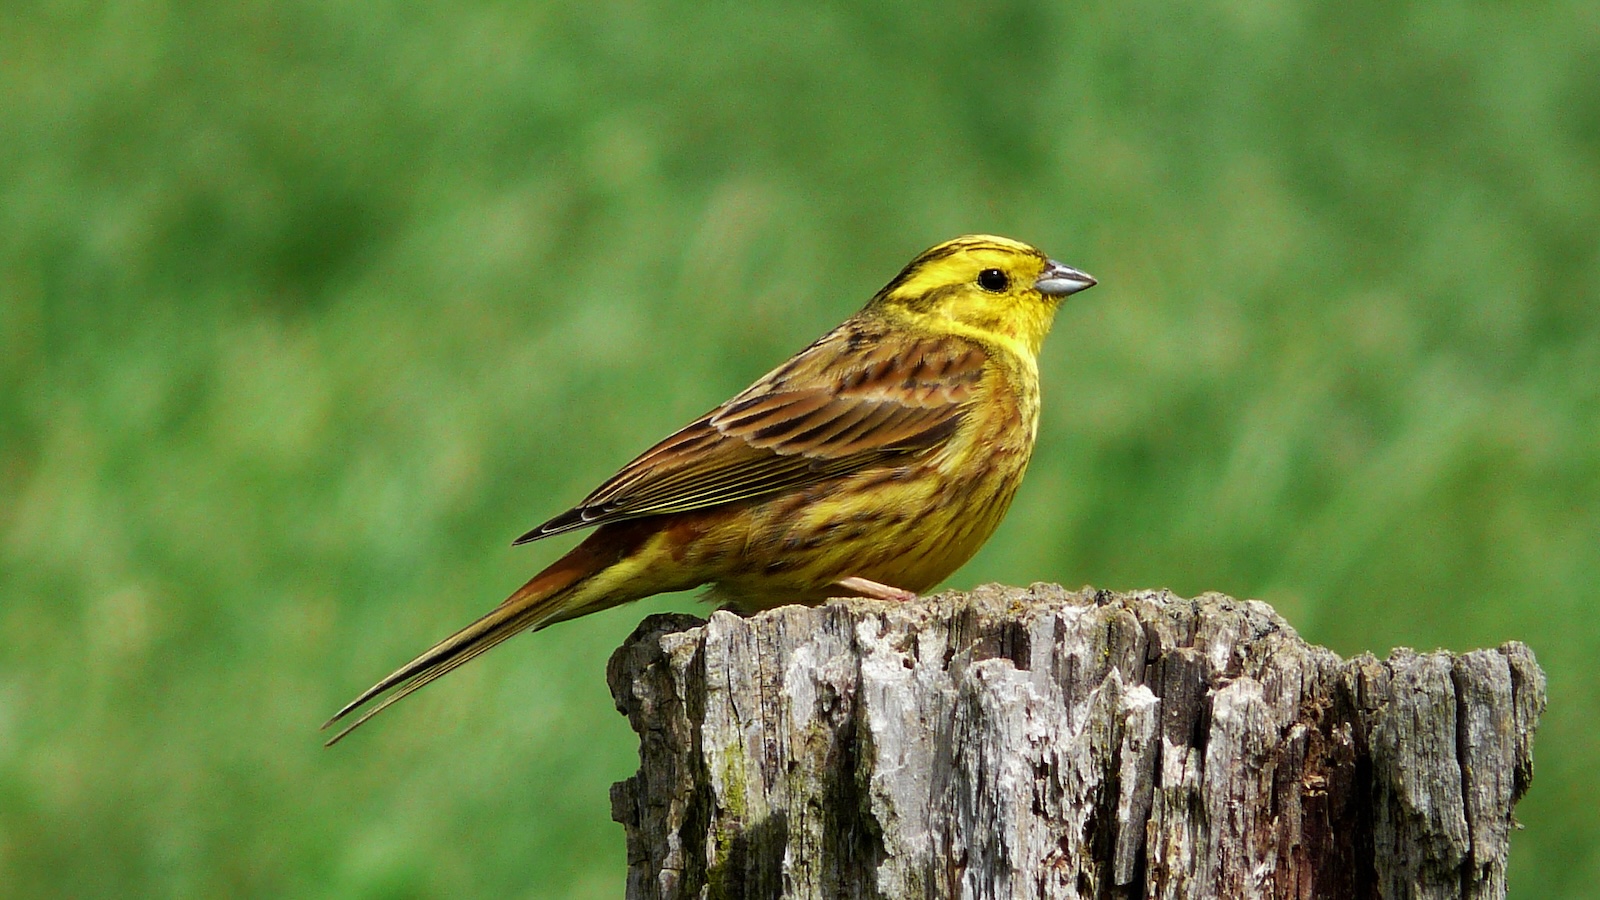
[1044,743]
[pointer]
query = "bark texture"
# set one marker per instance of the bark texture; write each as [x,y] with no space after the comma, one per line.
[1012,743]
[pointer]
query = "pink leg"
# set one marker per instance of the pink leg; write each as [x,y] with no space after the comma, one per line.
[876,591]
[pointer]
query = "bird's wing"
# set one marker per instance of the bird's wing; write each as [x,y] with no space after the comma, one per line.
[850,401]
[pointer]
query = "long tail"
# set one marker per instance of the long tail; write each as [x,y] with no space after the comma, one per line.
[549,597]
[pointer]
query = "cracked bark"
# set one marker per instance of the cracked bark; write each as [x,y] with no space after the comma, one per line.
[1013,743]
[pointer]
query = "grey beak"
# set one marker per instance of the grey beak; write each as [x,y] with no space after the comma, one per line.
[1059,280]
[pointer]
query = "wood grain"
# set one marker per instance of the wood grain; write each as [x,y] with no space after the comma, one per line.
[1038,742]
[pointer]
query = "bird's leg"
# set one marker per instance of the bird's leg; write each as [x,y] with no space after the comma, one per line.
[876,591]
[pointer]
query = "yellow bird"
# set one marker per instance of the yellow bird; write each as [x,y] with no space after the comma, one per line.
[874,462]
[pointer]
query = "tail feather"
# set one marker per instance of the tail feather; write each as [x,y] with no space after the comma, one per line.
[455,651]
[542,601]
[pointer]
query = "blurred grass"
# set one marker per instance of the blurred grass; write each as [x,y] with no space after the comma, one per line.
[306,309]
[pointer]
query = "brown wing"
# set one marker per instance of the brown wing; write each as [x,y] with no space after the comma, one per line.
[850,401]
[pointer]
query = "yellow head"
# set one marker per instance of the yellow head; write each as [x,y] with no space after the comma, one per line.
[986,286]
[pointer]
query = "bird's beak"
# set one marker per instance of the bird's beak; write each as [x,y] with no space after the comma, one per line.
[1059,280]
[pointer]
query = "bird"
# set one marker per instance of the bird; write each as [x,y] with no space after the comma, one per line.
[873,463]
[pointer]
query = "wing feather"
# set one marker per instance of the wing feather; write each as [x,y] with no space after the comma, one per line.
[849,402]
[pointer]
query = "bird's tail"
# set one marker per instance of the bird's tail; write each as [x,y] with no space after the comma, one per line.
[556,594]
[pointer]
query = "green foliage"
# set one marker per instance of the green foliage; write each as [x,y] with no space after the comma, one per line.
[306,309]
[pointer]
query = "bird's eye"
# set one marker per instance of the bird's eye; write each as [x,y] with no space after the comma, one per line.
[993,280]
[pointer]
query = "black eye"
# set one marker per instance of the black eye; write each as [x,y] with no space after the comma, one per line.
[993,280]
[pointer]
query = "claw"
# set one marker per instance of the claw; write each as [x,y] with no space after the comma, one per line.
[868,588]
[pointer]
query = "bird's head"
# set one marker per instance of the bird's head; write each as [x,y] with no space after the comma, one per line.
[984,286]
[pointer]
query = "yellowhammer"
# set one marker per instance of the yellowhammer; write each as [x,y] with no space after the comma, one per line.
[875,462]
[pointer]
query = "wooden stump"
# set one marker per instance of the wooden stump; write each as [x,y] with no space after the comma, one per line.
[1014,743]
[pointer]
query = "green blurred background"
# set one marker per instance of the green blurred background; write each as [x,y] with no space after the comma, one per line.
[306,309]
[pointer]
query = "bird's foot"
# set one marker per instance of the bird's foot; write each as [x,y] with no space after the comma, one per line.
[868,588]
